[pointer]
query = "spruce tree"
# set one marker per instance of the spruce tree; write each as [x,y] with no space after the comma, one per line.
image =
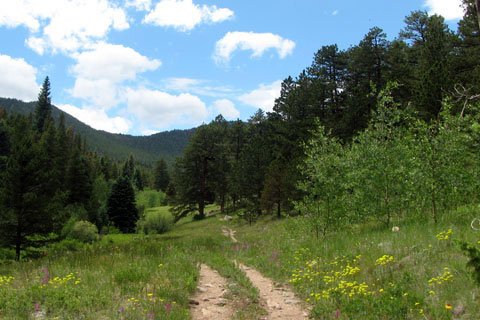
[161,177]
[121,208]
[22,195]
[44,106]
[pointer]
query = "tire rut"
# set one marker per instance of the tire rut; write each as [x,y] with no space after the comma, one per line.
[208,302]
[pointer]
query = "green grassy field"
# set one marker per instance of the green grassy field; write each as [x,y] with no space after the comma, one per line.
[362,272]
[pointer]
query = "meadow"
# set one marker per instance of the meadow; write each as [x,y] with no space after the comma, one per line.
[373,273]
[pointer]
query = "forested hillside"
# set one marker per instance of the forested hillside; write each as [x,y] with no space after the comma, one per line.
[147,149]
[349,112]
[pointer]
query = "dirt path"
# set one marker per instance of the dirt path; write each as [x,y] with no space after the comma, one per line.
[227,232]
[280,303]
[208,302]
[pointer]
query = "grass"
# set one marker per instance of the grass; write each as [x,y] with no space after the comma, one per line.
[124,277]
[362,272]
[366,272]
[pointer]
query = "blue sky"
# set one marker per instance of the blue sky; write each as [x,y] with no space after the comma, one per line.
[144,66]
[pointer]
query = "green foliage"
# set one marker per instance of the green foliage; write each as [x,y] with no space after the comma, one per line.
[121,208]
[23,181]
[84,231]
[161,176]
[324,186]
[44,106]
[473,253]
[155,222]
[150,198]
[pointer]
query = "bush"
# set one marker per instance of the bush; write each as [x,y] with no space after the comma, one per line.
[66,245]
[154,223]
[110,230]
[84,231]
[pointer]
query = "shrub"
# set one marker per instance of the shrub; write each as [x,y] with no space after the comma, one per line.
[84,231]
[110,230]
[154,223]
[66,245]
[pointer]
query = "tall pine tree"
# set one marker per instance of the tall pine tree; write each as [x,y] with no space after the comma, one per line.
[44,106]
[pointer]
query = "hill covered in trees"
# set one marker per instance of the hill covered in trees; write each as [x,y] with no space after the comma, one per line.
[147,149]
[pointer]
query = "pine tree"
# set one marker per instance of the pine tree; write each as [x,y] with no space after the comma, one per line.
[138,180]
[129,168]
[161,176]
[121,209]
[78,178]
[22,189]
[44,106]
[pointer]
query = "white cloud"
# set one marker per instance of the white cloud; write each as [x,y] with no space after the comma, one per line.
[163,110]
[257,42]
[18,79]
[63,25]
[263,97]
[226,108]
[184,15]
[100,72]
[98,119]
[198,87]
[335,12]
[139,5]
[449,9]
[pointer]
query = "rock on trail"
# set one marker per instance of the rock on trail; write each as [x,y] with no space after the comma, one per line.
[208,302]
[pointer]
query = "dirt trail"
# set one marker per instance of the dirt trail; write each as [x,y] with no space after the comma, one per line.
[227,232]
[280,303]
[208,302]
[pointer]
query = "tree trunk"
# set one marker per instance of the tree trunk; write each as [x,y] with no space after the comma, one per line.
[18,242]
[279,212]
[222,204]
[201,209]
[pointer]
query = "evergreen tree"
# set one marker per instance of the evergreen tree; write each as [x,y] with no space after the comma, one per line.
[129,168]
[467,61]
[78,178]
[121,208]
[161,176]
[4,144]
[44,106]
[138,180]
[62,151]
[22,188]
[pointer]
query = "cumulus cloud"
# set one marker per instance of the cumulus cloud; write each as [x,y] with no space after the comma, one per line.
[63,25]
[162,110]
[139,5]
[256,42]
[100,72]
[226,108]
[449,9]
[184,15]
[18,79]
[98,119]
[263,97]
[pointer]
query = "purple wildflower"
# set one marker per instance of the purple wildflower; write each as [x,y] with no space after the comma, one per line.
[46,276]
[168,306]
[122,309]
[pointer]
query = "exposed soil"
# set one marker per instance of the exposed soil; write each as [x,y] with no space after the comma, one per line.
[280,303]
[208,302]
[227,232]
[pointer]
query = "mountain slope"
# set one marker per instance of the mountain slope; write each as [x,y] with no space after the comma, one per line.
[146,149]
